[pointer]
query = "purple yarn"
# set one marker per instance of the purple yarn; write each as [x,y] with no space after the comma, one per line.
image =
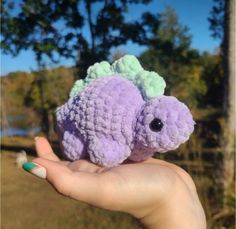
[109,122]
[177,122]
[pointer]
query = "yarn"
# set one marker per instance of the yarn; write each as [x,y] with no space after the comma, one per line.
[110,121]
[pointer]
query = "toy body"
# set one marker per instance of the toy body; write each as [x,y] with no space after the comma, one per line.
[109,122]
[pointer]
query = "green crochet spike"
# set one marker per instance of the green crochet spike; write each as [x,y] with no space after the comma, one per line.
[98,70]
[128,66]
[77,87]
[150,84]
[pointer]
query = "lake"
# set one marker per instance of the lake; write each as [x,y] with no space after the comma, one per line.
[19,132]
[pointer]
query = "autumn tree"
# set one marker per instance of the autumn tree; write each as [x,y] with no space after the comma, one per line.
[14,88]
[48,91]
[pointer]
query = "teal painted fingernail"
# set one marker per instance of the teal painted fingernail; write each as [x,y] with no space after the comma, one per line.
[35,169]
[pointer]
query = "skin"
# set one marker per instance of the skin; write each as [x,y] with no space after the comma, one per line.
[160,194]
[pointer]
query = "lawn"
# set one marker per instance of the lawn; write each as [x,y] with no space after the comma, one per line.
[28,202]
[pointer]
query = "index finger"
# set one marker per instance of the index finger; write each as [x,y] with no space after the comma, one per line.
[44,149]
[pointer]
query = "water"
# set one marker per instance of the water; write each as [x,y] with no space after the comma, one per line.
[18,132]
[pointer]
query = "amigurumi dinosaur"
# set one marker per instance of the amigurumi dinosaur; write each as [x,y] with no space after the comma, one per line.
[119,112]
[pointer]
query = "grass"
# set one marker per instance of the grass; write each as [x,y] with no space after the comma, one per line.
[28,202]
[18,141]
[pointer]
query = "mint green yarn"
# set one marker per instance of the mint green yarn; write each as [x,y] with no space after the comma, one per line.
[150,84]
[95,71]
[77,87]
[128,66]
[99,70]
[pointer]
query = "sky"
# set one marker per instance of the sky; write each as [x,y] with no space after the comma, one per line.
[193,14]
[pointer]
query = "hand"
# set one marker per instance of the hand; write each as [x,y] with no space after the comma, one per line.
[160,194]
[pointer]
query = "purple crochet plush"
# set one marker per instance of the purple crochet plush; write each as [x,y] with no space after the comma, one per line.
[109,121]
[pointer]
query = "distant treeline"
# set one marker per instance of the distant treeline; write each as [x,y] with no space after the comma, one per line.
[194,77]
[30,99]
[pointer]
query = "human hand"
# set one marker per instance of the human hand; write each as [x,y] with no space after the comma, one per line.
[158,193]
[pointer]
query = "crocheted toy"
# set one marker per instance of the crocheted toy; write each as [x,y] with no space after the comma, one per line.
[119,112]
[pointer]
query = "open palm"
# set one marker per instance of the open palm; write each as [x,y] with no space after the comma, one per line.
[135,188]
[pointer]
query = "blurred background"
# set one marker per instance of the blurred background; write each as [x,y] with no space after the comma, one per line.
[48,44]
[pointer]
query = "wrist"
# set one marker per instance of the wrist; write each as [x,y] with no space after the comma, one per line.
[174,219]
[180,210]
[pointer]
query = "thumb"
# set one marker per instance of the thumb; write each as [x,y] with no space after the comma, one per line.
[83,186]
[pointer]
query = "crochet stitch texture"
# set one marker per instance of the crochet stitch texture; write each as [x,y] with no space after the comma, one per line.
[150,84]
[109,121]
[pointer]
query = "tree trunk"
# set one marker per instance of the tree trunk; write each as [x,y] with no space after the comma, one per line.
[91,25]
[50,125]
[44,112]
[229,94]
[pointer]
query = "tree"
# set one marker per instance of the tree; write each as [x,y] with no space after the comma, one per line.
[48,91]
[55,28]
[216,19]
[169,54]
[230,75]
[222,23]
[13,91]
[212,75]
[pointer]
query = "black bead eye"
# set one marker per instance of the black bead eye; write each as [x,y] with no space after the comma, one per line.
[156,125]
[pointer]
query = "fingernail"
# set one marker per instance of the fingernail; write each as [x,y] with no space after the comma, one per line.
[36,138]
[35,169]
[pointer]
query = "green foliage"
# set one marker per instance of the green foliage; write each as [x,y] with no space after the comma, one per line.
[55,28]
[14,88]
[217,19]
[170,55]
[193,77]
[171,33]
[26,97]
[48,91]
[55,84]
[212,76]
